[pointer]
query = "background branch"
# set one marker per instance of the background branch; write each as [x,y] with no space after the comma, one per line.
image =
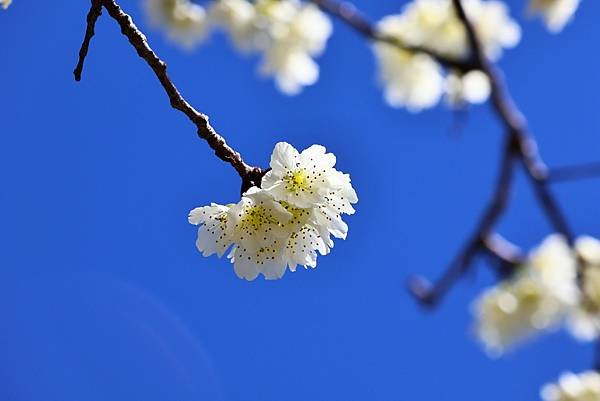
[348,14]
[570,173]
[251,176]
[520,147]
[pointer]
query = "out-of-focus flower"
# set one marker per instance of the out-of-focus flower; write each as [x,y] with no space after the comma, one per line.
[285,224]
[555,13]
[472,87]
[237,17]
[184,21]
[433,24]
[495,29]
[573,387]
[5,3]
[288,33]
[409,80]
[537,298]
[584,319]
[416,80]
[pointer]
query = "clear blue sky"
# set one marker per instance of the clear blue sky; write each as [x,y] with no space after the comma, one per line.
[104,297]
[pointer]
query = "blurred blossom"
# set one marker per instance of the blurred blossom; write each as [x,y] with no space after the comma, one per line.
[537,298]
[472,87]
[584,320]
[433,24]
[555,13]
[413,81]
[288,33]
[416,81]
[184,21]
[285,223]
[573,387]
[5,3]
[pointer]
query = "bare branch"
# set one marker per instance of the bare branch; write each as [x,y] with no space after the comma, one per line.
[430,294]
[250,175]
[520,147]
[570,173]
[504,250]
[92,17]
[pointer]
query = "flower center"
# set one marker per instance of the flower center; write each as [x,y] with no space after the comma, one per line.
[297,180]
[255,217]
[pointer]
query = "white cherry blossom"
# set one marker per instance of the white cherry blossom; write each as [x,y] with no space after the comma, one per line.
[414,81]
[5,3]
[537,298]
[288,34]
[555,13]
[184,21]
[472,87]
[308,178]
[286,223]
[584,319]
[213,233]
[257,226]
[573,387]
[433,24]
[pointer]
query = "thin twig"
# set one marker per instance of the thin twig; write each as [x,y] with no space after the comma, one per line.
[92,17]
[348,13]
[570,173]
[250,175]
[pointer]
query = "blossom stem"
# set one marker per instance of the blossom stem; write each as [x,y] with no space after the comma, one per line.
[250,175]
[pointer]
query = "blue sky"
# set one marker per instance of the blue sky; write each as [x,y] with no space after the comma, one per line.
[104,296]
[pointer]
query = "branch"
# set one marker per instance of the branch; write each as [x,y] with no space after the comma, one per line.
[430,294]
[348,14]
[569,173]
[92,17]
[520,147]
[250,175]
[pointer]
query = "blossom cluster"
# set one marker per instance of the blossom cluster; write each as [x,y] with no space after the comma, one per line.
[542,295]
[556,13]
[416,80]
[288,34]
[572,387]
[284,223]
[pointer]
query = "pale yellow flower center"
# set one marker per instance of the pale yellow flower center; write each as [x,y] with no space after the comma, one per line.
[297,181]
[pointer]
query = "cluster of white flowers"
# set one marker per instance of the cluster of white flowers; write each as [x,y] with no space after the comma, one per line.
[417,81]
[572,387]
[184,21]
[556,13]
[284,223]
[287,33]
[542,295]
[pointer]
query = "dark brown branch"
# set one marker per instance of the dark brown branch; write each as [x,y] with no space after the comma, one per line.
[516,125]
[250,175]
[504,250]
[92,17]
[570,173]
[520,147]
[348,13]
[430,294]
